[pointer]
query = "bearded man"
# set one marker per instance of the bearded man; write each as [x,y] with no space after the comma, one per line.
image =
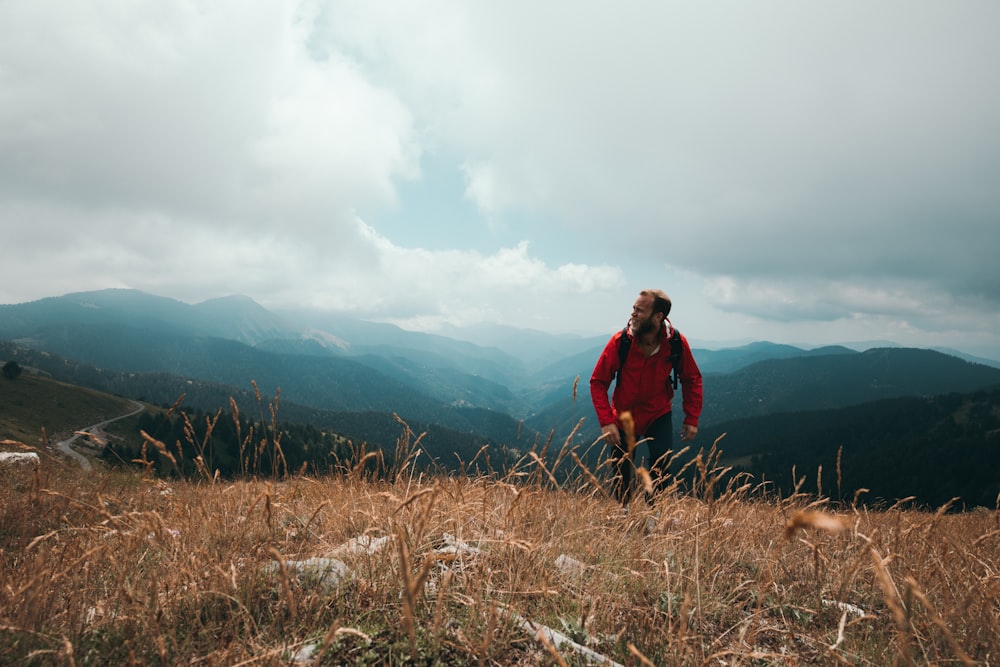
[640,359]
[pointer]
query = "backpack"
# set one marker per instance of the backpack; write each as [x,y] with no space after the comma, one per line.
[625,342]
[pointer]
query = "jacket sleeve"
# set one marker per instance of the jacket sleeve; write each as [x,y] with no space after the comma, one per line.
[600,382]
[691,388]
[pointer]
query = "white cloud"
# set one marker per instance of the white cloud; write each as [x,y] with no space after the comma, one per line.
[819,300]
[211,111]
[333,142]
[481,188]
[509,285]
[790,163]
[776,139]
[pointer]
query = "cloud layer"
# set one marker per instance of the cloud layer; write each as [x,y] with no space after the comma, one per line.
[784,169]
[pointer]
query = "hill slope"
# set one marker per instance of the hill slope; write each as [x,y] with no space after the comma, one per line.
[805,382]
[458,433]
[817,382]
[31,403]
[352,365]
[935,448]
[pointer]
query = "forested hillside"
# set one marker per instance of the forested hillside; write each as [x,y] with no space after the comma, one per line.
[935,448]
[471,427]
[809,381]
[831,381]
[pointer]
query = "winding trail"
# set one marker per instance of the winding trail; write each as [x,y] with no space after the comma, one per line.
[64,445]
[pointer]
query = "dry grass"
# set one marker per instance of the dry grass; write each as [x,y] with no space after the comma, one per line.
[117,568]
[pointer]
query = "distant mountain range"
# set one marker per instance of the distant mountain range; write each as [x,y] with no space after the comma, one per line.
[507,384]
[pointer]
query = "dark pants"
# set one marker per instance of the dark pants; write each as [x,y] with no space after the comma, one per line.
[660,438]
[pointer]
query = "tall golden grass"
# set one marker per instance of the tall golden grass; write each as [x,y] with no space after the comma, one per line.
[118,567]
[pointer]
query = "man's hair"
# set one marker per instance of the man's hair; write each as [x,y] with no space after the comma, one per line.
[661,302]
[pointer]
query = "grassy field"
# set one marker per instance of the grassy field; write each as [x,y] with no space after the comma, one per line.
[118,568]
[31,403]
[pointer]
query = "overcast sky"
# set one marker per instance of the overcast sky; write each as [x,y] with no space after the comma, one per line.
[801,172]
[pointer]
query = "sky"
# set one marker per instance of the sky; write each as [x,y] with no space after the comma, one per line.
[800,172]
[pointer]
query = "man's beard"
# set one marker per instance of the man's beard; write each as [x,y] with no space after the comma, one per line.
[643,327]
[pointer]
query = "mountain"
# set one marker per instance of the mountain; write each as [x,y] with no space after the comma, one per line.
[550,381]
[813,380]
[69,406]
[328,362]
[234,340]
[733,359]
[129,329]
[236,318]
[360,338]
[452,432]
[935,448]
[320,383]
[553,383]
[240,318]
[969,357]
[838,380]
[531,348]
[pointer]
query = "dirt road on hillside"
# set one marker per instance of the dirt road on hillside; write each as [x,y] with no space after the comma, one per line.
[95,430]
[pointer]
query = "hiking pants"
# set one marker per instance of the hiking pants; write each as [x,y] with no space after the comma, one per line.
[660,439]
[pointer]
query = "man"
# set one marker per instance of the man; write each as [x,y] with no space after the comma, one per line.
[643,388]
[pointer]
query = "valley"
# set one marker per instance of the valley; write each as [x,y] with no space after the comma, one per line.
[771,405]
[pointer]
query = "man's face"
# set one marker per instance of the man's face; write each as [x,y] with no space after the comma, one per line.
[643,319]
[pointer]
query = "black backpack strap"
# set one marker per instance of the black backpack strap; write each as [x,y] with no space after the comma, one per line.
[624,343]
[676,356]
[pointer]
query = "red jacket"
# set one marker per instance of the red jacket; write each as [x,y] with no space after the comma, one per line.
[645,389]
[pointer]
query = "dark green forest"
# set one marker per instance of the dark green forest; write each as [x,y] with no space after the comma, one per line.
[177,443]
[931,448]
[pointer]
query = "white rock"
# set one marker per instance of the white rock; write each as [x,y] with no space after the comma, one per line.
[561,641]
[457,547]
[364,544]
[326,573]
[569,565]
[845,607]
[19,459]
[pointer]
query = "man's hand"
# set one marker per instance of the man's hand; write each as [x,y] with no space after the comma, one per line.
[688,432]
[612,435]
